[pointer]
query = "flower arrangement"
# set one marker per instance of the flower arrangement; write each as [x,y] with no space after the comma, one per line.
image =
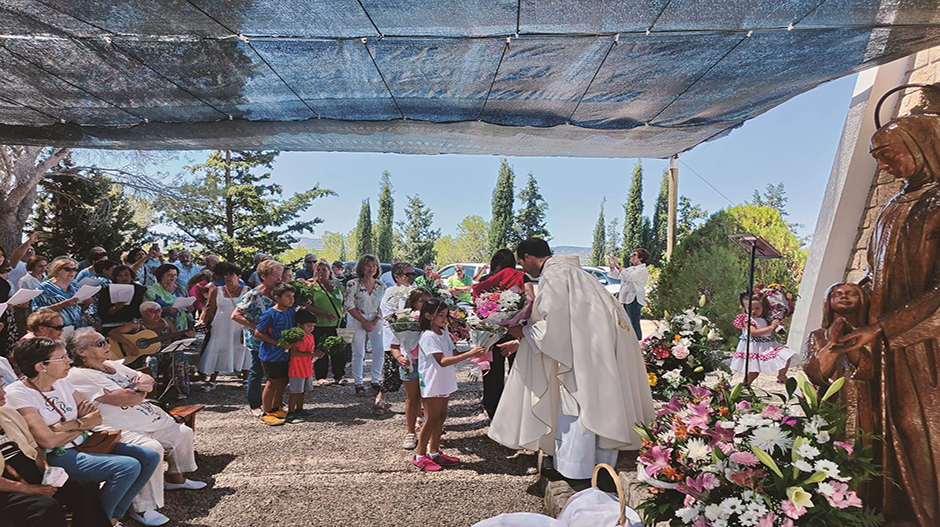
[721,457]
[780,301]
[682,350]
[457,324]
[404,323]
[332,345]
[488,321]
[290,337]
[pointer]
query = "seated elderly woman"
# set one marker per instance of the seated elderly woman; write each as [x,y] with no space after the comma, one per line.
[168,366]
[24,500]
[60,420]
[44,323]
[119,393]
[58,292]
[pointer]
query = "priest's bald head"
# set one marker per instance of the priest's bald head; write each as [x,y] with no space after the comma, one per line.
[531,255]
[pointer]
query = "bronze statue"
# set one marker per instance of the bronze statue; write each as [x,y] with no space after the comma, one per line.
[903,326]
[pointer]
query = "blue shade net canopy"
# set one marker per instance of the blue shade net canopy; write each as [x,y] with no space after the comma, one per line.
[643,78]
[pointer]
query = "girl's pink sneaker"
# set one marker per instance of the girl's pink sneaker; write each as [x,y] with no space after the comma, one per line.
[443,459]
[426,464]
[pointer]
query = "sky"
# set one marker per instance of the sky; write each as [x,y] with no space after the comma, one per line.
[795,143]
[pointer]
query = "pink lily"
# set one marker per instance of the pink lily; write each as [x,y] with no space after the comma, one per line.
[656,460]
[699,417]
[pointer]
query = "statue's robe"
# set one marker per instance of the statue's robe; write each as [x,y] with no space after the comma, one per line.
[578,384]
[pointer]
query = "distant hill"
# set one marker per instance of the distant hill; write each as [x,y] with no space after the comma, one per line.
[561,250]
[311,243]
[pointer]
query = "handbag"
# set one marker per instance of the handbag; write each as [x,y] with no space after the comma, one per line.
[341,330]
[97,442]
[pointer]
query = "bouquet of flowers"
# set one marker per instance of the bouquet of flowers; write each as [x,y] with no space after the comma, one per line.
[290,336]
[457,324]
[400,292]
[332,345]
[722,457]
[487,322]
[682,350]
[781,302]
[304,294]
[404,323]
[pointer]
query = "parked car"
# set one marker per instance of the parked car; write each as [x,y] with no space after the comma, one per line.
[469,269]
[612,285]
[385,268]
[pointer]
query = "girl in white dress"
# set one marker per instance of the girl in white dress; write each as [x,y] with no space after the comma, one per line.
[767,355]
[224,352]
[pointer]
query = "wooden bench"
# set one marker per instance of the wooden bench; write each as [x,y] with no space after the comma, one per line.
[188,414]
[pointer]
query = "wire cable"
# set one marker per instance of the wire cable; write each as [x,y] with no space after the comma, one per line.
[686,165]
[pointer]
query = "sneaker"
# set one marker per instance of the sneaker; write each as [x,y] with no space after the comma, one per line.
[360,391]
[410,442]
[257,412]
[342,382]
[272,420]
[328,381]
[426,464]
[149,518]
[443,459]
[306,414]
[186,485]
[280,412]
[293,418]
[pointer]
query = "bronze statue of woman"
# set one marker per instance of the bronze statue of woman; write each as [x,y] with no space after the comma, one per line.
[903,327]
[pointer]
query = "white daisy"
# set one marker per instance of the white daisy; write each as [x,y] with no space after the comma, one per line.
[713,512]
[803,466]
[825,489]
[807,451]
[688,514]
[732,506]
[697,450]
[830,468]
[768,438]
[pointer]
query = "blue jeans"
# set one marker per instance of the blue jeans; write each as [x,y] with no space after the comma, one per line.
[255,376]
[633,311]
[124,472]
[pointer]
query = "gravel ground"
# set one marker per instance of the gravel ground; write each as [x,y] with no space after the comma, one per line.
[347,466]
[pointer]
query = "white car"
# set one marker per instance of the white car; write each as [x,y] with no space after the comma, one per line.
[612,285]
[469,269]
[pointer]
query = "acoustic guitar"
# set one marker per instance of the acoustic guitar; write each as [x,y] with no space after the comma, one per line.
[146,342]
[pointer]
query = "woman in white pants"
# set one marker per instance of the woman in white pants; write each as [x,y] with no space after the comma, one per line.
[119,393]
[363,301]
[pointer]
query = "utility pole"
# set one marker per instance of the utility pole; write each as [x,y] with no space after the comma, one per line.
[673,203]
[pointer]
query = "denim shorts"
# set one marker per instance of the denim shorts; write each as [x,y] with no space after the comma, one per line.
[300,384]
[406,376]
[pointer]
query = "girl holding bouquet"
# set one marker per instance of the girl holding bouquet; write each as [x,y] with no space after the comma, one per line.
[767,355]
[503,275]
[408,371]
[437,378]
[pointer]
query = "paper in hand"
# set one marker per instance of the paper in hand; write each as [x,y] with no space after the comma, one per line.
[121,293]
[3,308]
[184,301]
[87,291]
[55,477]
[22,296]
[89,281]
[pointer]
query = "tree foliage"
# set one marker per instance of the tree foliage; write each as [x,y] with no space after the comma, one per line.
[81,212]
[419,237]
[687,217]
[599,245]
[364,230]
[660,229]
[470,244]
[230,206]
[707,262]
[384,237]
[530,220]
[776,196]
[633,235]
[501,224]
[614,237]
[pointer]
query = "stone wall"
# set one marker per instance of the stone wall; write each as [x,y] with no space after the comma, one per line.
[924,67]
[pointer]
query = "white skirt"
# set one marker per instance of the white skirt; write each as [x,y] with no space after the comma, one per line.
[767,356]
[225,352]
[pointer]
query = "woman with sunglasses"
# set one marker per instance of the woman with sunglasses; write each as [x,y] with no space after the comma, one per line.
[44,323]
[120,395]
[58,292]
[60,420]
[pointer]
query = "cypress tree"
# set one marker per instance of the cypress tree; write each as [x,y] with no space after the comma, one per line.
[530,221]
[633,221]
[384,243]
[660,221]
[599,247]
[364,230]
[503,197]
[419,237]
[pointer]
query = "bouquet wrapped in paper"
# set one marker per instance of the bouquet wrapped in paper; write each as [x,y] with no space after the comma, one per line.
[404,324]
[492,313]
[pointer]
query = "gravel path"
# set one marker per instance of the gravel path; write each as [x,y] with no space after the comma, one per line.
[347,467]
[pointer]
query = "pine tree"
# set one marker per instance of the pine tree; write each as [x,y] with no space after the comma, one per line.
[503,196]
[599,247]
[419,237]
[384,242]
[660,228]
[687,216]
[84,212]
[530,220]
[364,230]
[237,212]
[633,222]
[614,236]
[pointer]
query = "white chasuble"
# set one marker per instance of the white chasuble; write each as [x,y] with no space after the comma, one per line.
[578,380]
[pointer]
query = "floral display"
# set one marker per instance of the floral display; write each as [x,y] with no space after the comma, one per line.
[682,350]
[399,292]
[487,322]
[722,457]
[290,336]
[780,302]
[404,323]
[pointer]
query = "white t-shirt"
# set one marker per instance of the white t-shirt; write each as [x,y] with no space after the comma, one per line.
[143,417]
[15,274]
[19,395]
[435,380]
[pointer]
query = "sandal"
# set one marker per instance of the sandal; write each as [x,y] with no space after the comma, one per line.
[379,409]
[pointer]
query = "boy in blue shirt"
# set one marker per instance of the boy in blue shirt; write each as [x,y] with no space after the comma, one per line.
[274,358]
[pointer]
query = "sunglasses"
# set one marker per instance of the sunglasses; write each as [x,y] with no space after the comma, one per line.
[59,327]
[70,269]
[409,275]
[98,344]
[63,359]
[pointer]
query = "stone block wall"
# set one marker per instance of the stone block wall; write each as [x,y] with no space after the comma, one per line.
[924,67]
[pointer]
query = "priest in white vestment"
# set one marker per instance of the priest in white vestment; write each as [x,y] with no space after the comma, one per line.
[578,384]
